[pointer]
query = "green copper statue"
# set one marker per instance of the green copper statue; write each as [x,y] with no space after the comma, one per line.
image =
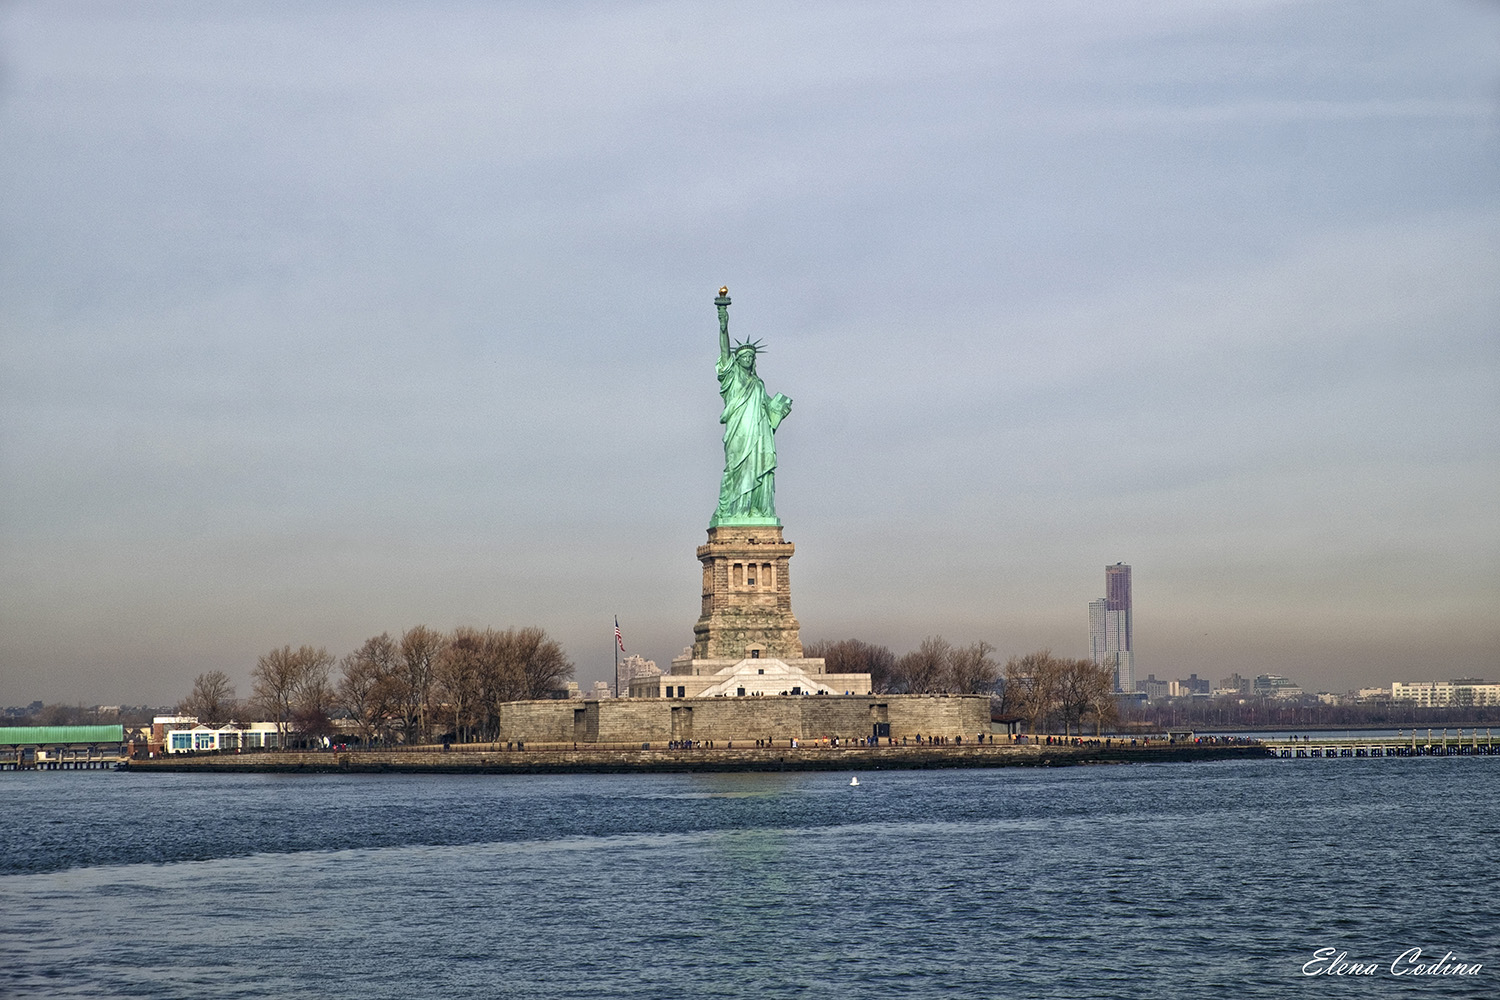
[747,494]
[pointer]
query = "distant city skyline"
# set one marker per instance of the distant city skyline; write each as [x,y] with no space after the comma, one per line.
[323,320]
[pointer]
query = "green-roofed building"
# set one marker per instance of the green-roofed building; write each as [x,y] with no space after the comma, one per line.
[50,736]
[60,746]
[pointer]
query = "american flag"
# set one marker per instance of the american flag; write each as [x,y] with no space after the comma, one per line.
[618,640]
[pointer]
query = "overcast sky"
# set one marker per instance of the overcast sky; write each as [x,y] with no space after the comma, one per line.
[321,320]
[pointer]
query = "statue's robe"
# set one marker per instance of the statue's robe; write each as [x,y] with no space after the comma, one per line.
[750,419]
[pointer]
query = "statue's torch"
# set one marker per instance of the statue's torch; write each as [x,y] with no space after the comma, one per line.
[723,303]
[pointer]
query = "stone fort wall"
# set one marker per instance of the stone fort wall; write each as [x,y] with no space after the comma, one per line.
[646,720]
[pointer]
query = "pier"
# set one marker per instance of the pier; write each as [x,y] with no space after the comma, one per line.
[1459,743]
[61,748]
[107,759]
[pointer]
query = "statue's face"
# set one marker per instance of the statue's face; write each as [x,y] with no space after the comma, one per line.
[745,359]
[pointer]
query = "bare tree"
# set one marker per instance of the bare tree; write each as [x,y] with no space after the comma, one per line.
[499,680]
[1074,692]
[1085,689]
[926,669]
[457,674]
[316,700]
[292,687]
[475,672]
[1032,686]
[360,695]
[971,669]
[851,656]
[275,676]
[1100,703]
[212,699]
[58,714]
[539,662]
[420,648]
[369,685]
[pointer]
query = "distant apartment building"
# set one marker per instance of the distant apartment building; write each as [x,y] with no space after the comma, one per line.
[601,689]
[1460,692]
[1156,690]
[1275,686]
[1193,685]
[1110,628]
[1098,645]
[636,666]
[1233,684]
[1153,689]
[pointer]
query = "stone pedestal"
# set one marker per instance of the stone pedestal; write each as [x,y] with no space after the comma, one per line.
[747,596]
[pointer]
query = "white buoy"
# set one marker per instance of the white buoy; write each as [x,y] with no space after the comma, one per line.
[853,781]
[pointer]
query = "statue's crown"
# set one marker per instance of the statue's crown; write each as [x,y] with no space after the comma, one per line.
[755,346]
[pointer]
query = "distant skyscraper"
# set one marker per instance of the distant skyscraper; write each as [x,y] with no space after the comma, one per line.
[1110,627]
[1117,593]
[1098,645]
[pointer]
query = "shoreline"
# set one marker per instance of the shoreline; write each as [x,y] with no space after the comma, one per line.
[1331,728]
[627,761]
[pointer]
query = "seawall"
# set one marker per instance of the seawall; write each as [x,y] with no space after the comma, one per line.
[481,759]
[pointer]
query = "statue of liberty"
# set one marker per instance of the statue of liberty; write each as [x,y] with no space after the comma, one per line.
[747,494]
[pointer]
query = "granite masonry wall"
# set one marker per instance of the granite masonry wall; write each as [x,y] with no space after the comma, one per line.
[644,720]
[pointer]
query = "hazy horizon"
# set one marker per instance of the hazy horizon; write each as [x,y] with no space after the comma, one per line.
[323,320]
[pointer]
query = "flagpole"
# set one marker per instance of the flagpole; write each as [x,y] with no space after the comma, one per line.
[616,644]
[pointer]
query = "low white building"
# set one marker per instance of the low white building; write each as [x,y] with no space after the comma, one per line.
[1460,692]
[752,677]
[200,738]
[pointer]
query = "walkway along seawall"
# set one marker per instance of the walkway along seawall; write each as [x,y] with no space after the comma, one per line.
[554,759]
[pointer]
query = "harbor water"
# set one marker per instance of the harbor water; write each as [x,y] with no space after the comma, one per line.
[1237,878]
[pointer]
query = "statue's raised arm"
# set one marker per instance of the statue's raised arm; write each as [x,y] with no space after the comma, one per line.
[723,303]
[747,493]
